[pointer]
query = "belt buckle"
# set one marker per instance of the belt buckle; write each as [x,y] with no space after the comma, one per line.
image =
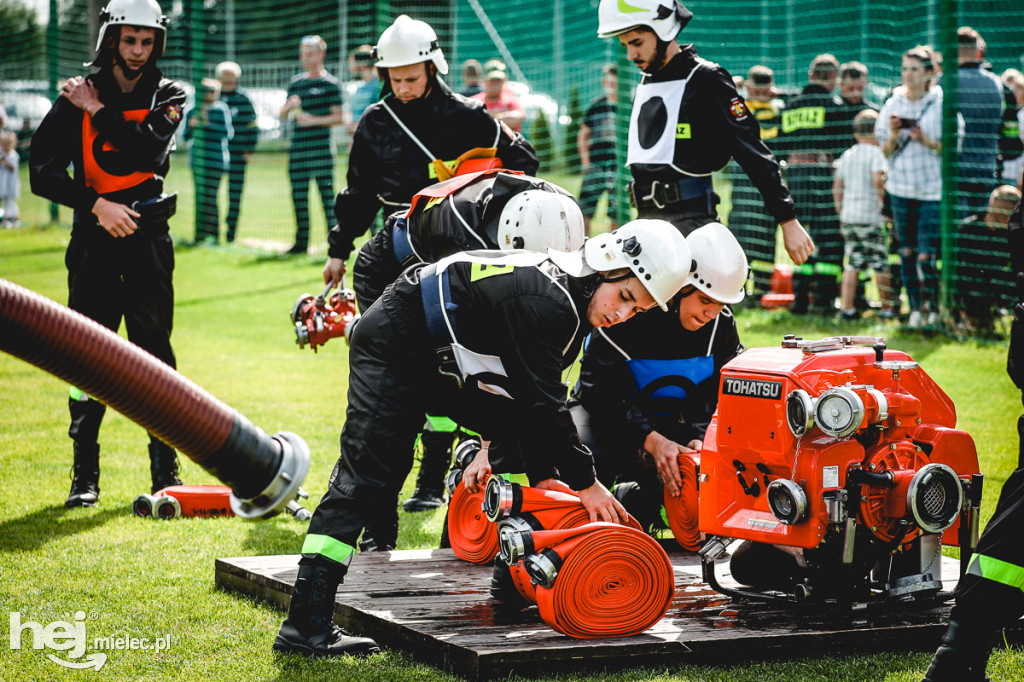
[651,197]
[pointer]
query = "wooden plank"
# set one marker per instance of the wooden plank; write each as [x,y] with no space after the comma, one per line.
[438,609]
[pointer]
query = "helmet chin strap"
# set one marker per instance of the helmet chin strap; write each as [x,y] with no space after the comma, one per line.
[129,73]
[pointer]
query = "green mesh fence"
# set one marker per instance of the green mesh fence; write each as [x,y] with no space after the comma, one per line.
[554,61]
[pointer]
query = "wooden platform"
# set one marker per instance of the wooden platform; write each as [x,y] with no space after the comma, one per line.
[437,608]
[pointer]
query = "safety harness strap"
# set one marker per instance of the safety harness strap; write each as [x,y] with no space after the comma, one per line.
[401,245]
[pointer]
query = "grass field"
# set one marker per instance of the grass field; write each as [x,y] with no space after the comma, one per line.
[145,579]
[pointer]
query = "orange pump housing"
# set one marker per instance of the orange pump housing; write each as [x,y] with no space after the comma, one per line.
[917,426]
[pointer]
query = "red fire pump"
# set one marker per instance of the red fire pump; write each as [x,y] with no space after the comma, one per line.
[322,318]
[846,455]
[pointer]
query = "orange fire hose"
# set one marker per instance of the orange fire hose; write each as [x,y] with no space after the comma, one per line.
[472,535]
[682,511]
[600,580]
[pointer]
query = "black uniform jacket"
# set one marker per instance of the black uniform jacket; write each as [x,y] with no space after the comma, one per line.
[720,127]
[609,391]
[386,165]
[534,319]
[466,219]
[815,122]
[127,147]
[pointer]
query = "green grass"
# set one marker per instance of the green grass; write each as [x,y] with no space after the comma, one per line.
[231,336]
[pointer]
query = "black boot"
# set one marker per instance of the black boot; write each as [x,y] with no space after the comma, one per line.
[309,628]
[962,656]
[85,477]
[163,465]
[503,588]
[437,455]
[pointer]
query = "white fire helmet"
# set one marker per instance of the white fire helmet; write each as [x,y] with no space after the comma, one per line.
[655,251]
[144,13]
[409,41]
[538,220]
[720,267]
[665,17]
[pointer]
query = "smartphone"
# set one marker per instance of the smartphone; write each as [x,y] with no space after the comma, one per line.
[908,122]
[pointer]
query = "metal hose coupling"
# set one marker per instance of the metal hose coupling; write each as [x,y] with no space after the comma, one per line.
[515,539]
[502,498]
[283,487]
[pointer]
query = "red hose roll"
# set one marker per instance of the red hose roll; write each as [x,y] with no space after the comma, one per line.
[472,535]
[613,581]
[682,511]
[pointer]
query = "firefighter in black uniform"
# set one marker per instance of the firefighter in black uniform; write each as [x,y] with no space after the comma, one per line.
[814,134]
[687,122]
[404,142]
[647,388]
[494,209]
[991,595]
[483,337]
[754,229]
[116,127]
[488,210]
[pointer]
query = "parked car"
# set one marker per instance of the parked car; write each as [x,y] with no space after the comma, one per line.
[25,110]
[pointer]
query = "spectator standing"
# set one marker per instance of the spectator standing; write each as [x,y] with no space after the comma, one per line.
[814,133]
[752,226]
[360,65]
[596,146]
[853,82]
[981,105]
[314,105]
[501,102]
[10,184]
[208,127]
[909,128]
[3,114]
[242,142]
[687,122]
[120,257]
[858,192]
[472,71]
[1013,80]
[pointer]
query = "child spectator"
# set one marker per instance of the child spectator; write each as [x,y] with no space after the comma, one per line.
[858,191]
[10,186]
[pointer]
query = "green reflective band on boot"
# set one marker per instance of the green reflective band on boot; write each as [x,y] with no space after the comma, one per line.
[324,545]
[805,269]
[77,394]
[997,570]
[441,424]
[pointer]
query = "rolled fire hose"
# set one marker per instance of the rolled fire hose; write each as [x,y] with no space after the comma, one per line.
[553,509]
[471,534]
[264,472]
[681,511]
[600,580]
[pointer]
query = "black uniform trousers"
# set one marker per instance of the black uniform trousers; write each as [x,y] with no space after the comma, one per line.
[991,595]
[207,181]
[375,268]
[393,382]
[236,180]
[310,160]
[811,187]
[684,214]
[754,229]
[128,278]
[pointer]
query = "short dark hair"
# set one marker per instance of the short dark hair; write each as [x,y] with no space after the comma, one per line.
[864,122]
[967,37]
[363,55]
[760,75]
[610,70]
[853,71]
[824,66]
